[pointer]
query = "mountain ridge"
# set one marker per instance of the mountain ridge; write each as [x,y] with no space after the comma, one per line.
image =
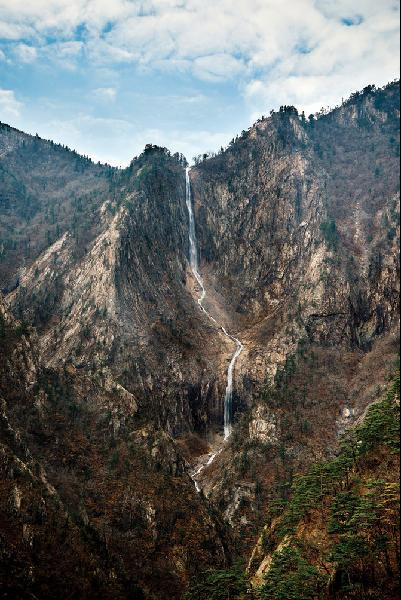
[297,229]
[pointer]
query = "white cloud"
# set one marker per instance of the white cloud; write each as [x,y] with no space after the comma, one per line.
[12,30]
[189,143]
[117,141]
[103,53]
[215,38]
[342,59]
[67,50]
[107,94]
[217,67]
[63,55]
[105,139]
[24,53]
[308,52]
[9,105]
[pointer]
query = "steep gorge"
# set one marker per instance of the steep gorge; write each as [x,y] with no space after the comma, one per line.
[129,341]
[304,249]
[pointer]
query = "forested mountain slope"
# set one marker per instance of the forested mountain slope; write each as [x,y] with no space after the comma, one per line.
[89,502]
[113,380]
[337,537]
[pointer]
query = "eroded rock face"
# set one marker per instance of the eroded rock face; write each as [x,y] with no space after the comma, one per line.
[295,247]
[298,237]
[263,426]
[299,227]
[122,310]
[298,222]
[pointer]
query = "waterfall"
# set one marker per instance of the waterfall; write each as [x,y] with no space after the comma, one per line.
[194,263]
[228,399]
[193,250]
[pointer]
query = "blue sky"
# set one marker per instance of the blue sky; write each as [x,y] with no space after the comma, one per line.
[108,76]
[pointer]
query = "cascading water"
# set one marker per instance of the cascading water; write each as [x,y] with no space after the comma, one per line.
[193,260]
[193,251]
[228,399]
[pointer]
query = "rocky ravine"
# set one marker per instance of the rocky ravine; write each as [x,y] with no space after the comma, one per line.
[297,227]
[303,249]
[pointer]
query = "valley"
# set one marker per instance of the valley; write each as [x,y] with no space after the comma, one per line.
[186,357]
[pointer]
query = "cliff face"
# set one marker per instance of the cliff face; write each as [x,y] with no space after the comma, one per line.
[298,228]
[121,309]
[299,232]
[298,225]
[115,372]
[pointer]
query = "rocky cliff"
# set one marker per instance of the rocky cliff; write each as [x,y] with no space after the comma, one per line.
[300,252]
[123,375]
[299,241]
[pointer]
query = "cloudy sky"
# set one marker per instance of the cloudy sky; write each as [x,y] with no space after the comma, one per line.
[108,76]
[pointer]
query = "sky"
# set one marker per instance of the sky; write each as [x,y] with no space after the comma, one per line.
[106,77]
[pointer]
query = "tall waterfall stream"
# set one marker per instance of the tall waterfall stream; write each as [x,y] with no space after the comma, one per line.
[194,264]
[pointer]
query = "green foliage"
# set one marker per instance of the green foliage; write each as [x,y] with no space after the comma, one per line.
[330,234]
[243,463]
[74,410]
[367,525]
[306,427]
[219,585]
[308,492]
[284,374]
[10,334]
[342,510]
[381,425]
[289,110]
[362,514]
[292,577]
[380,428]
[114,460]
